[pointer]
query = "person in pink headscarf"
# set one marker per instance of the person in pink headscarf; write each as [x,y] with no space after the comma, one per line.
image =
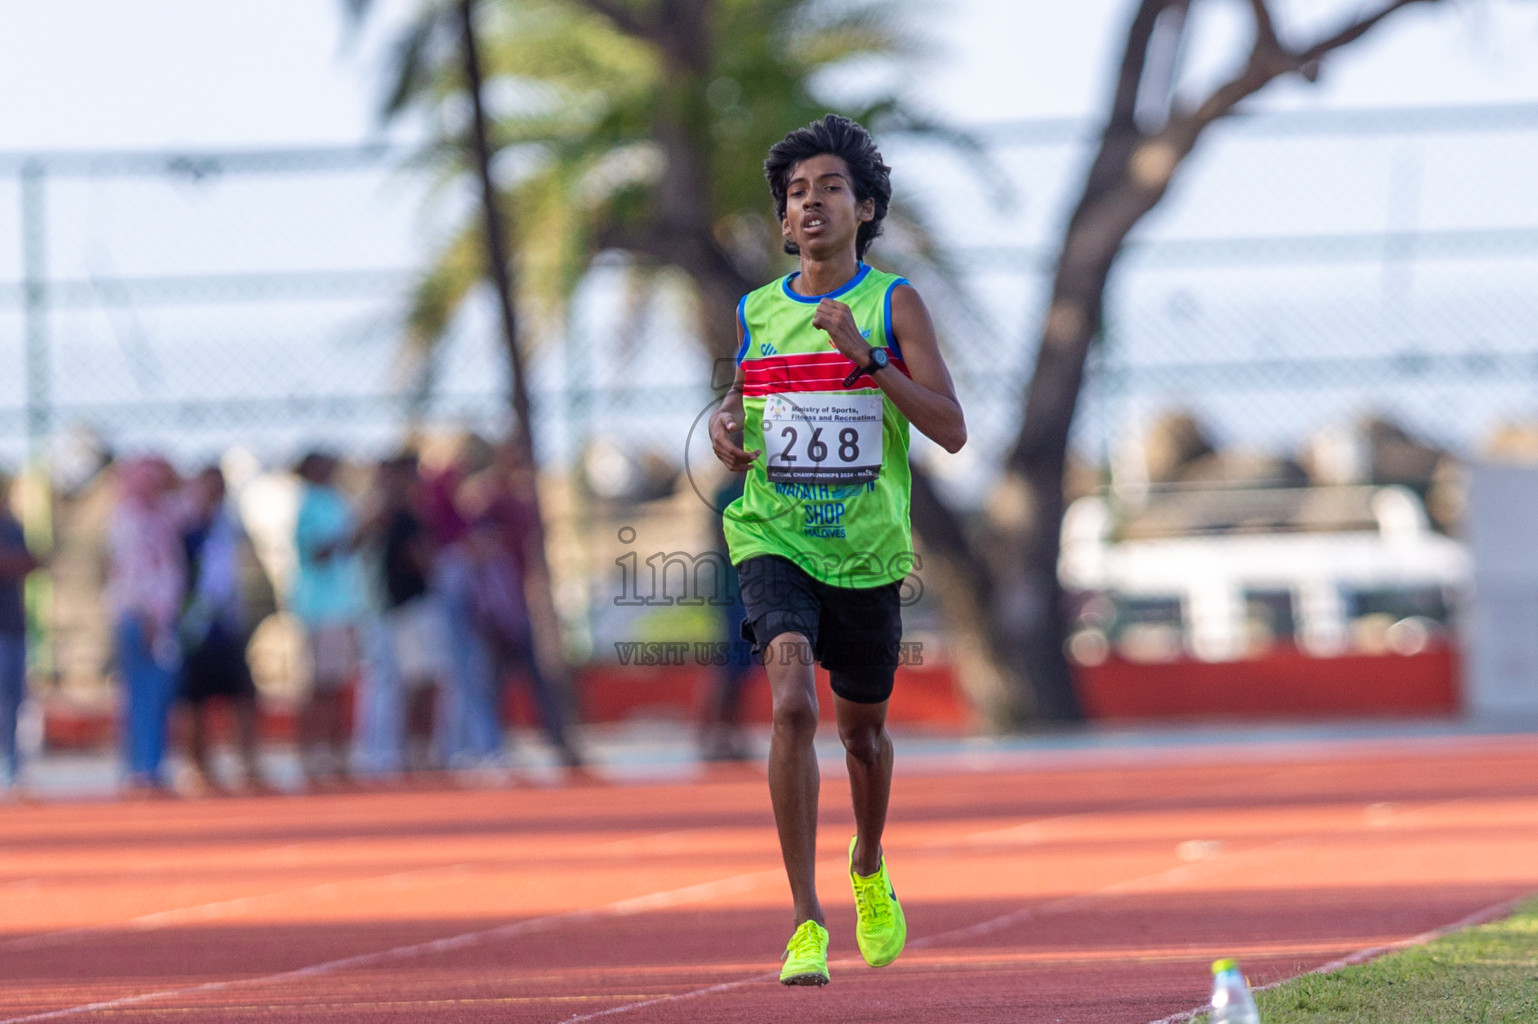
[146,580]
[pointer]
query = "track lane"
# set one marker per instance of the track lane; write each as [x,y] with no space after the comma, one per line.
[1137,874]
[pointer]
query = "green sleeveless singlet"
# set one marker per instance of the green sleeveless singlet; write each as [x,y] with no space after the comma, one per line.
[831,490]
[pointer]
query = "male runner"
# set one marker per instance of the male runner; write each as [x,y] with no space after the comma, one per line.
[836,360]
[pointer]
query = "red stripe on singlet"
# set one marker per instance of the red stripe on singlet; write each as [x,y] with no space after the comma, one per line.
[808,371]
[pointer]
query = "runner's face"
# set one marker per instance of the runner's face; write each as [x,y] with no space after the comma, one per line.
[822,215]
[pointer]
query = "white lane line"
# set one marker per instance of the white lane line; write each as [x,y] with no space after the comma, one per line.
[1019,834]
[733,885]
[635,905]
[1078,900]
[1494,912]
[204,912]
[1027,832]
[652,901]
[981,928]
[725,986]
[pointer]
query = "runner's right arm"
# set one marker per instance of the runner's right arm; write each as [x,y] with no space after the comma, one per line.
[728,420]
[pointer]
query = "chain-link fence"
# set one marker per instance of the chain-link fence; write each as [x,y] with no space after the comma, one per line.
[193,302]
[1306,270]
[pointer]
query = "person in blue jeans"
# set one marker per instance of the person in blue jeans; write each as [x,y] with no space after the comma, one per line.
[146,578]
[469,735]
[504,543]
[15,563]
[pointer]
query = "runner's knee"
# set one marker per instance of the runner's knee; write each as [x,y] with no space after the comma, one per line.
[795,713]
[863,742]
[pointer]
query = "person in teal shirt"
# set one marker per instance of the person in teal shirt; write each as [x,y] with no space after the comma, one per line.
[327,599]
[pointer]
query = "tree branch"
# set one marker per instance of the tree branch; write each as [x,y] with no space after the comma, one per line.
[1121,134]
[1351,32]
[619,16]
[1130,75]
[1265,28]
[1270,60]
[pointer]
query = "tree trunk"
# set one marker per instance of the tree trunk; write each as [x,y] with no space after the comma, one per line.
[1127,178]
[1146,137]
[1031,606]
[959,577]
[683,228]
[499,269]
[1006,614]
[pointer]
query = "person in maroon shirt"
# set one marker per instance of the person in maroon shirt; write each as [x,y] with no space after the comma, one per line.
[503,540]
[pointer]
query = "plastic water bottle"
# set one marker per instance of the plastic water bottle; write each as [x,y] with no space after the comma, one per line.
[1231,999]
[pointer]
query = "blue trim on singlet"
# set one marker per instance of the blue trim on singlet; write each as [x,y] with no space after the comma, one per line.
[852,282]
[891,335]
[742,318]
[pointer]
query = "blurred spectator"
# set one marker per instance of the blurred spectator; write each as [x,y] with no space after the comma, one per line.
[215,628]
[327,600]
[721,736]
[15,563]
[145,582]
[469,730]
[503,542]
[411,621]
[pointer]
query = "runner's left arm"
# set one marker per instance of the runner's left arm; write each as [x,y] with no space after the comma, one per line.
[925,395]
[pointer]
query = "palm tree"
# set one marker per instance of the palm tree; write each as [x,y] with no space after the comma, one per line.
[458,20]
[638,128]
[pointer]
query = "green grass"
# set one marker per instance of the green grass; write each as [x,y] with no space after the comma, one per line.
[1485,975]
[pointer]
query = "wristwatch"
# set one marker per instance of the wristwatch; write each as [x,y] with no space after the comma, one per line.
[879,360]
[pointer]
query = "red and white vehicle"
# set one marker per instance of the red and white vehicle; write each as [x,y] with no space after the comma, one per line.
[1321,600]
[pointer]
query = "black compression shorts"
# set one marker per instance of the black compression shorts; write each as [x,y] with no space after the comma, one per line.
[855,632]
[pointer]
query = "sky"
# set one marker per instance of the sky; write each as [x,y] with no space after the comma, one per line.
[180,74]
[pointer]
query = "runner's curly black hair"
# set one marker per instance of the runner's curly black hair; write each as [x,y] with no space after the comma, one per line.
[851,143]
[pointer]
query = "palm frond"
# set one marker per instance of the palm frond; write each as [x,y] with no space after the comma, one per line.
[577,104]
[438,295]
[416,62]
[818,35]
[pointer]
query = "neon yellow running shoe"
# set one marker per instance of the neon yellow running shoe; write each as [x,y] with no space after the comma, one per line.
[806,956]
[882,930]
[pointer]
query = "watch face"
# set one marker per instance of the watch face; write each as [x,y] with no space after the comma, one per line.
[879,359]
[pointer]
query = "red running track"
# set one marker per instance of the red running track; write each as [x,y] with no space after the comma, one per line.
[1086,889]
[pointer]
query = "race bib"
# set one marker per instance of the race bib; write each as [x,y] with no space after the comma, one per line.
[817,437]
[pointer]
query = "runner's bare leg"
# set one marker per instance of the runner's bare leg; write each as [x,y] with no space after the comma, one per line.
[793,779]
[868,755]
